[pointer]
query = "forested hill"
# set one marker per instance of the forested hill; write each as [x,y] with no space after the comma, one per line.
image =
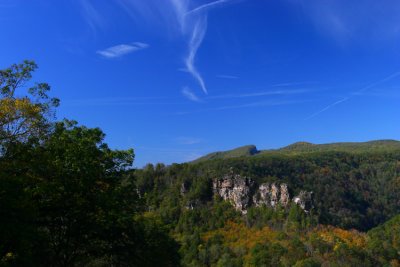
[370,146]
[303,147]
[354,185]
[243,207]
[242,151]
[67,199]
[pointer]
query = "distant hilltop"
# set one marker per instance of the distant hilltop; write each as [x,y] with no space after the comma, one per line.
[304,147]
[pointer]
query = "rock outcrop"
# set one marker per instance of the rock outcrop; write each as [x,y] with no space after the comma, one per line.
[272,195]
[284,195]
[304,200]
[242,193]
[235,189]
[184,189]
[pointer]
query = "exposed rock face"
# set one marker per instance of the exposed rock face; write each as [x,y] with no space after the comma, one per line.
[184,189]
[263,196]
[272,195]
[304,200]
[235,189]
[284,195]
[241,192]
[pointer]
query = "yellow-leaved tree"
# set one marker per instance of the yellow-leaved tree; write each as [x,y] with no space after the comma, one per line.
[25,108]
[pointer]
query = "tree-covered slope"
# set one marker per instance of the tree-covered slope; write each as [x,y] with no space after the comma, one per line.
[351,189]
[385,240]
[306,147]
[67,199]
[243,151]
[370,146]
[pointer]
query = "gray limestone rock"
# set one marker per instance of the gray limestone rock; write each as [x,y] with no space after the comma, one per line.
[236,189]
[241,192]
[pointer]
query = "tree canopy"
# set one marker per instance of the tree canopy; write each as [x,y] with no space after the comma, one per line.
[66,198]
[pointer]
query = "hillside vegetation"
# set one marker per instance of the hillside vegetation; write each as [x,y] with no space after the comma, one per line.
[67,199]
[356,187]
[304,147]
[243,151]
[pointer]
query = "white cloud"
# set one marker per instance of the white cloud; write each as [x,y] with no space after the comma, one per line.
[193,23]
[259,94]
[197,36]
[182,17]
[190,95]
[93,17]
[246,105]
[207,6]
[345,21]
[121,50]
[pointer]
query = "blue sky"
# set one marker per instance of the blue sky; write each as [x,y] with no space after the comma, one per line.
[176,79]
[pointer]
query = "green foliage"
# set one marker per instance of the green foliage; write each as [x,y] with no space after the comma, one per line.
[66,198]
[18,233]
[24,113]
[354,186]
[385,240]
[87,208]
[267,254]
[243,151]
[309,262]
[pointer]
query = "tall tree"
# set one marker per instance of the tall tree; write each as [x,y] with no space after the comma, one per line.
[65,197]
[25,107]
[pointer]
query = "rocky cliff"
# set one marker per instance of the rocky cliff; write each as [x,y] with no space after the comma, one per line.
[236,189]
[242,192]
[272,195]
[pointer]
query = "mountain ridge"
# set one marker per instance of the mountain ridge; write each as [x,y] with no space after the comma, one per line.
[303,147]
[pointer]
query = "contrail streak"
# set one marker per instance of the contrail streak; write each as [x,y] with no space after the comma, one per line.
[388,78]
[327,107]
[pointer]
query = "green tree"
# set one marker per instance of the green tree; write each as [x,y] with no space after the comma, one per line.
[66,198]
[267,254]
[24,113]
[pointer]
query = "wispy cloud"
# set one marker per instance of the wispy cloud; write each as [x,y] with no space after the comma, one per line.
[246,105]
[119,101]
[207,6]
[196,39]
[355,93]
[170,100]
[293,84]
[185,19]
[121,50]
[194,24]
[345,21]
[260,104]
[190,95]
[381,92]
[92,16]
[262,93]
[223,76]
